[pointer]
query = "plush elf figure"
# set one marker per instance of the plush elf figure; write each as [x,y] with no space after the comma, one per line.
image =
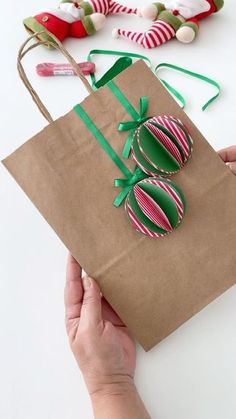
[75,19]
[68,19]
[172,18]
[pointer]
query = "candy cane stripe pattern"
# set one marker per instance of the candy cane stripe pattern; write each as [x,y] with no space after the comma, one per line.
[155,207]
[109,7]
[159,33]
[162,146]
[151,209]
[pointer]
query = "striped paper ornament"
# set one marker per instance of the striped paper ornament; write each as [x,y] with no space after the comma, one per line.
[155,206]
[161,146]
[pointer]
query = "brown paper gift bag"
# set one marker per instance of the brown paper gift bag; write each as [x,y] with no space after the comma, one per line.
[154,284]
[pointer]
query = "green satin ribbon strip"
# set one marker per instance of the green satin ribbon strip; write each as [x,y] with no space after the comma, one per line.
[130,178]
[138,117]
[120,65]
[192,74]
[116,69]
[175,93]
[115,53]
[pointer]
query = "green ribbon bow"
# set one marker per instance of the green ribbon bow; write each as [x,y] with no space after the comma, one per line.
[138,117]
[133,125]
[127,184]
[130,178]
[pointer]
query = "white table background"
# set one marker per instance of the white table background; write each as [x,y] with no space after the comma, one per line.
[192,373]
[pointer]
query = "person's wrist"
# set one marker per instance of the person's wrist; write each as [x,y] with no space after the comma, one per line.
[118,399]
[115,385]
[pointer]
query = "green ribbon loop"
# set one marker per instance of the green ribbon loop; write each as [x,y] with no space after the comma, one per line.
[138,117]
[115,53]
[192,74]
[133,125]
[143,107]
[130,178]
[123,64]
[127,185]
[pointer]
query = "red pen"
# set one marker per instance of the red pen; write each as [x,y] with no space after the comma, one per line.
[55,69]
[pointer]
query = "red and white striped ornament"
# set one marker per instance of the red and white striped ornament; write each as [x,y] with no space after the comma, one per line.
[161,146]
[159,33]
[155,207]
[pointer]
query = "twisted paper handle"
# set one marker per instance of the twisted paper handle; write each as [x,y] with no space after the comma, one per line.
[58,45]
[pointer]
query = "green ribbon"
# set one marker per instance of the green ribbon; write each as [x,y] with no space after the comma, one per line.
[138,117]
[113,73]
[133,125]
[127,185]
[130,178]
[120,66]
[175,93]
[192,74]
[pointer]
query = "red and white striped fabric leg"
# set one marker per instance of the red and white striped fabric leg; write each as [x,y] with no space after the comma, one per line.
[115,7]
[109,7]
[159,33]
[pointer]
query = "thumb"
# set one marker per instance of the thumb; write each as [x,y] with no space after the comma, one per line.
[91,310]
[232,167]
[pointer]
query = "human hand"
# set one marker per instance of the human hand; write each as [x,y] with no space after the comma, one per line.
[228,155]
[103,348]
[101,344]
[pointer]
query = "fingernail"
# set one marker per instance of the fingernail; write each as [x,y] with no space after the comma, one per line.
[86,283]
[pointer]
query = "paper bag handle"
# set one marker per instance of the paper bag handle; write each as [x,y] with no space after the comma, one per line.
[58,45]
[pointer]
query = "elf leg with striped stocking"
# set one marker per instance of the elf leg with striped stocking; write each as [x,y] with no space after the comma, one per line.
[172,18]
[107,7]
[159,33]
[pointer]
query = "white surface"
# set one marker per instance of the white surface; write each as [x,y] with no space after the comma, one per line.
[190,375]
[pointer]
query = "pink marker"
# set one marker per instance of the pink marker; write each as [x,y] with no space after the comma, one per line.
[54,69]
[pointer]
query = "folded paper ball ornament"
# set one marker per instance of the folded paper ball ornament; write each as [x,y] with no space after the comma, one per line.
[161,146]
[155,206]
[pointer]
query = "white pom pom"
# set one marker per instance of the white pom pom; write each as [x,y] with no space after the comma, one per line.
[98,20]
[149,12]
[139,12]
[185,34]
[115,33]
[75,12]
